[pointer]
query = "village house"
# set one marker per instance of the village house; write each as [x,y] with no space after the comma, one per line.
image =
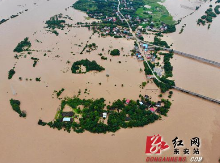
[67,114]
[146,97]
[152,110]
[158,104]
[67,119]
[104,115]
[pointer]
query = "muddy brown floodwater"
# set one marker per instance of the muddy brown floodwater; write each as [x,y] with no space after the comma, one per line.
[23,141]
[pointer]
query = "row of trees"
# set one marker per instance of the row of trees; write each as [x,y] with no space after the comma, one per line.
[147,69]
[168,68]
[165,84]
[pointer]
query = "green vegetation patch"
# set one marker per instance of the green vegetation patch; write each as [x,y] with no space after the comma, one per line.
[165,84]
[59,92]
[168,68]
[54,23]
[115,52]
[38,79]
[89,116]
[16,107]
[85,5]
[216,9]
[23,46]
[155,12]
[209,15]
[89,65]
[96,6]
[35,61]
[11,73]
[159,42]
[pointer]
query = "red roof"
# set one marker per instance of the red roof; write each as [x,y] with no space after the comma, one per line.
[127,101]
[152,109]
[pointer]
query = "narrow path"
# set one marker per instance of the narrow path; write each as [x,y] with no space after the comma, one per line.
[138,42]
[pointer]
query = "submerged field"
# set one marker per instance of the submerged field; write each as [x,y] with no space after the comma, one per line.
[157,11]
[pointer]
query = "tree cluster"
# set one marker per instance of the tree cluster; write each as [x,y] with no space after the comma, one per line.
[11,73]
[16,107]
[89,65]
[115,52]
[60,92]
[159,42]
[120,115]
[165,84]
[54,23]
[168,68]
[209,15]
[23,45]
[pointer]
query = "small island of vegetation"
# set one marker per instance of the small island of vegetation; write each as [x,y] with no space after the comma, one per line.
[209,15]
[59,92]
[115,52]
[89,66]
[56,22]
[16,107]
[11,73]
[97,117]
[23,46]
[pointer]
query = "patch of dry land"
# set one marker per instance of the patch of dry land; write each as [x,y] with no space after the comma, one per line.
[22,140]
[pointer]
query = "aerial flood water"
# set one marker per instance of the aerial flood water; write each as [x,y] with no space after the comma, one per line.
[23,140]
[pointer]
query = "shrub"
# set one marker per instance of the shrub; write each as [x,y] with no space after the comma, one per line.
[38,79]
[11,73]
[115,52]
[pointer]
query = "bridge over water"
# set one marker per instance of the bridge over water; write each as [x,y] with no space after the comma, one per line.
[217,64]
[180,53]
[197,95]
